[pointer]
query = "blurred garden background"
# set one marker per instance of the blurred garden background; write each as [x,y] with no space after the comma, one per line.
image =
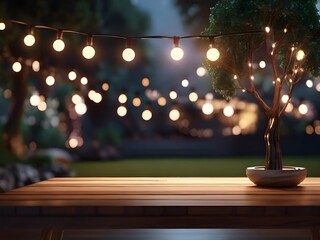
[64,115]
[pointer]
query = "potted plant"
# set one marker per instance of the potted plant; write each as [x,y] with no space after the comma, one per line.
[285,35]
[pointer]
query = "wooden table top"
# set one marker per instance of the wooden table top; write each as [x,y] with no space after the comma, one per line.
[144,191]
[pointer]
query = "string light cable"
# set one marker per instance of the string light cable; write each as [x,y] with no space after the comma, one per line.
[128,54]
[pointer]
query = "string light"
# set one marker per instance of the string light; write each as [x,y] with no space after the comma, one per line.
[50,80]
[146,115]
[174,114]
[300,55]
[29,40]
[128,53]
[193,96]
[213,54]
[72,75]
[185,83]
[88,51]
[2,26]
[176,52]
[16,66]
[84,81]
[173,95]
[122,111]
[58,44]
[35,66]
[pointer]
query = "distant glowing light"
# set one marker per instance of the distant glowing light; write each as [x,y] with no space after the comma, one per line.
[34,100]
[145,82]
[262,64]
[289,108]
[2,26]
[236,130]
[16,66]
[42,106]
[309,83]
[122,98]
[50,80]
[193,97]
[207,108]
[36,66]
[267,29]
[105,86]
[300,55]
[174,114]
[73,142]
[72,75]
[95,96]
[80,108]
[136,102]
[201,71]
[303,109]
[309,129]
[185,83]
[146,115]
[122,111]
[84,81]
[318,87]
[173,95]
[228,111]
[76,98]
[162,101]
[285,98]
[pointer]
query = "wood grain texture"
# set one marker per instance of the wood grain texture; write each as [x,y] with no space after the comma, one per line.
[76,203]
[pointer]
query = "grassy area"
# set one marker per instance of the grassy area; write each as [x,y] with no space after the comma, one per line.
[184,167]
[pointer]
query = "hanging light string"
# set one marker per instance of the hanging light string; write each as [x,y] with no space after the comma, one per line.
[128,54]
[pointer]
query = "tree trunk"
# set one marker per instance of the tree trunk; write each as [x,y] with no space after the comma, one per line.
[12,129]
[272,142]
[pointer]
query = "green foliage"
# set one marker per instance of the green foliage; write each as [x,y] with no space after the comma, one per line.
[300,18]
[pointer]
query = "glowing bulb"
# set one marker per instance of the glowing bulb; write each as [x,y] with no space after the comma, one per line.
[262,64]
[162,101]
[177,53]
[35,100]
[58,45]
[267,29]
[2,26]
[145,82]
[174,114]
[16,67]
[228,111]
[88,52]
[285,98]
[84,81]
[72,75]
[213,54]
[173,95]
[300,55]
[185,83]
[128,54]
[76,98]
[122,111]
[303,109]
[201,71]
[122,98]
[29,40]
[36,66]
[309,83]
[50,80]
[80,108]
[105,86]
[136,102]
[193,97]
[146,115]
[207,108]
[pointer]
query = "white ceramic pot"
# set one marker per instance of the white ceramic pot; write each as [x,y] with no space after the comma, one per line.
[289,176]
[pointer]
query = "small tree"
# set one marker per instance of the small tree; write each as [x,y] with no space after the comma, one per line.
[289,41]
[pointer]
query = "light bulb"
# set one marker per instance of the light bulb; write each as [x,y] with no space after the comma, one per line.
[88,52]
[72,75]
[29,40]
[122,111]
[16,66]
[177,53]
[2,26]
[213,54]
[128,54]
[300,55]
[174,114]
[146,115]
[58,45]
[50,80]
